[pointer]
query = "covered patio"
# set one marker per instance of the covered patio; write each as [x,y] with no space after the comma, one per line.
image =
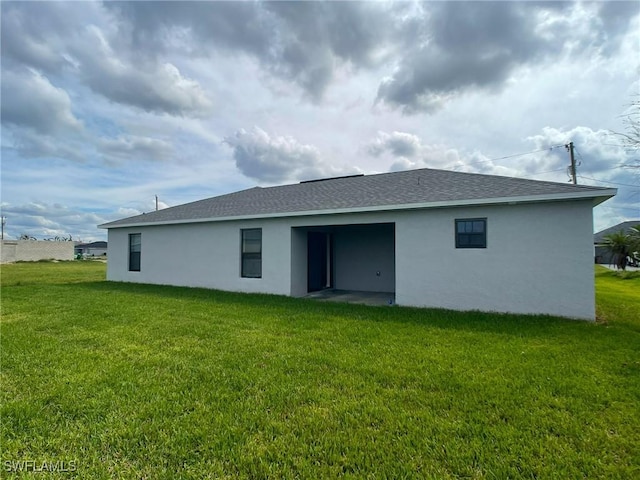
[329,259]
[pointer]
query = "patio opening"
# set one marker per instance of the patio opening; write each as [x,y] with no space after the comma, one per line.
[344,258]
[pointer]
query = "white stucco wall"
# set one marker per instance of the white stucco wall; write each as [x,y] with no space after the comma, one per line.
[298,265]
[539,257]
[202,255]
[364,258]
[538,260]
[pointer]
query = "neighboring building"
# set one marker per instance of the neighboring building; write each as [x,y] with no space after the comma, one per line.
[602,255]
[34,250]
[93,249]
[432,238]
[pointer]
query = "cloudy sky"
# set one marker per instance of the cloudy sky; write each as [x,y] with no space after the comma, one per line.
[107,104]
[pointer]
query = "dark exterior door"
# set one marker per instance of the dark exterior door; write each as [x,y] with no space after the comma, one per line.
[317,275]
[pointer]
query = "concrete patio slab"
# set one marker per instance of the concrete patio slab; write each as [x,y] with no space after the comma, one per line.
[353,296]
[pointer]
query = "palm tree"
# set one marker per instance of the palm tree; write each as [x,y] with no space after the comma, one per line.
[634,242]
[619,245]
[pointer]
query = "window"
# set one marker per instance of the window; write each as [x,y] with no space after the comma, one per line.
[251,253]
[471,233]
[135,247]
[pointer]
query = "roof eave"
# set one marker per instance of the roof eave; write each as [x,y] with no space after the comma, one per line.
[597,196]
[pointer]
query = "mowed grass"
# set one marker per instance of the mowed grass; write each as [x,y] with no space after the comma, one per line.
[139,381]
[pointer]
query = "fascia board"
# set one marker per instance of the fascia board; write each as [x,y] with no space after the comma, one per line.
[598,198]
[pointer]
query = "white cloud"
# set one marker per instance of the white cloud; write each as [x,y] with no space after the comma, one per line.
[92,91]
[139,82]
[29,144]
[407,151]
[461,47]
[135,148]
[30,100]
[303,43]
[278,159]
[28,48]
[43,220]
[596,150]
[399,144]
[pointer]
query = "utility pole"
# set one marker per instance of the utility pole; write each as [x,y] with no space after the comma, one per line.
[156,203]
[4,221]
[572,167]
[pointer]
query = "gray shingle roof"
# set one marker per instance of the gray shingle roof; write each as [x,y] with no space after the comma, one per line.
[598,238]
[422,187]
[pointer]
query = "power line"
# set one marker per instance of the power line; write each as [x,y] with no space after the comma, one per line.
[620,208]
[612,183]
[525,153]
[612,168]
[549,171]
[547,149]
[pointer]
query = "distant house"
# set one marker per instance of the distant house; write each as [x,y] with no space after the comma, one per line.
[93,249]
[429,238]
[602,255]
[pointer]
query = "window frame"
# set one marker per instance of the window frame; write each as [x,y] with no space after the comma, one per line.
[250,256]
[474,239]
[132,252]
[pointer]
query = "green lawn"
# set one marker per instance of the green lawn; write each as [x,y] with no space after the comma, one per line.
[112,380]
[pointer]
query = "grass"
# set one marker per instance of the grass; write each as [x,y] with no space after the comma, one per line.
[140,381]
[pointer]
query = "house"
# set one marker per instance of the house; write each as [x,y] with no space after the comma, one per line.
[431,238]
[92,249]
[602,255]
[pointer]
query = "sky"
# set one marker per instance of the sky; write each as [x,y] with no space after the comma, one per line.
[106,105]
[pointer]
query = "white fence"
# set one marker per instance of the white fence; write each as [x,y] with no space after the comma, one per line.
[34,250]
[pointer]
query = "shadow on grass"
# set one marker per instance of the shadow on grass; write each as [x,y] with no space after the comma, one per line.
[293,308]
